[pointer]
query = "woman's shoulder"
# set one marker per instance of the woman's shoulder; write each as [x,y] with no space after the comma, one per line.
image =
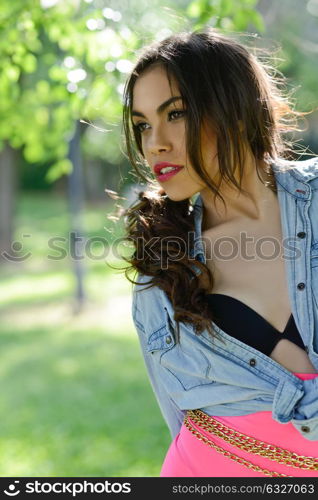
[147,299]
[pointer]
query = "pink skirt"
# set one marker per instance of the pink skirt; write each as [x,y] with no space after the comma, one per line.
[187,456]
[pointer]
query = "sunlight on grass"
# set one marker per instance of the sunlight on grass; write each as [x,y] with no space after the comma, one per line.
[42,286]
[19,459]
[105,316]
[50,299]
[75,397]
[74,402]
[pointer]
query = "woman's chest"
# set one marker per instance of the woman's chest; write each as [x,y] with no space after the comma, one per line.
[248,263]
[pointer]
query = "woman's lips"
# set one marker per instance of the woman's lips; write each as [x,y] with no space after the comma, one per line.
[168,175]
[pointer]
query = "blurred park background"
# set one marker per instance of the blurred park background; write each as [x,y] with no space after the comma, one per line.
[75,398]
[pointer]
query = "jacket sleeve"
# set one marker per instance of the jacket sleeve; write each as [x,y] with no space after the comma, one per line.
[172,415]
[306,411]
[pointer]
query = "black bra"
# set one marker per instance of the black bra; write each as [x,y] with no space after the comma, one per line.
[240,321]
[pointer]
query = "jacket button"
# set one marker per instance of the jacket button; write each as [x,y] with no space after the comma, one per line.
[305,428]
[301,234]
[168,339]
[252,362]
[301,286]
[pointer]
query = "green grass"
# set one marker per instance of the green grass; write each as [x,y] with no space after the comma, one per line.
[75,398]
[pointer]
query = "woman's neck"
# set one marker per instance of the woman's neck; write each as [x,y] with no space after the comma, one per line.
[257,206]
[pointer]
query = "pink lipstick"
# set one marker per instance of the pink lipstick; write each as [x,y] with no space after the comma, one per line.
[165,170]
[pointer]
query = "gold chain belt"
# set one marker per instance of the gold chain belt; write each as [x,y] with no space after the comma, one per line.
[246,443]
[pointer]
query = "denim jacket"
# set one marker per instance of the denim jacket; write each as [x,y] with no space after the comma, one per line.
[222,375]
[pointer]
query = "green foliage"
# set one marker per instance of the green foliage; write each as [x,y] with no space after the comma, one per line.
[59,168]
[225,14]
[52,73]
[299,56]
[63,61]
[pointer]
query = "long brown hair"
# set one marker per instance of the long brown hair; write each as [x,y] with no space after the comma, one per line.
[223,82]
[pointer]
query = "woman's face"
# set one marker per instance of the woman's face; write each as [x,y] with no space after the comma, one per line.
[159,114]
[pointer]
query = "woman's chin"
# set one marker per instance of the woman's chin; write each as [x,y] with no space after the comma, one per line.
[176,196]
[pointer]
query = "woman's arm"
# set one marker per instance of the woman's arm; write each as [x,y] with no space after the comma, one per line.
[171,413]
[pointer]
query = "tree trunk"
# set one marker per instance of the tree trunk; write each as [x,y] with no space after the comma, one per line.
[76,199]
[8,189]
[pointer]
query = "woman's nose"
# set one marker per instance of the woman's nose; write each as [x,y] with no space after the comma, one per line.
[159,144]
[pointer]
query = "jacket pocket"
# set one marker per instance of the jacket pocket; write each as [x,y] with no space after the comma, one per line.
[183,364]
[314,286]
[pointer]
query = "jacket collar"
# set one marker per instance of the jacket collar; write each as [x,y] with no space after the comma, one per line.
[294,177]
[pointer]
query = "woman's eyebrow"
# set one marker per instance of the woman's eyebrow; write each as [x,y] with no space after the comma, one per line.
[160,108]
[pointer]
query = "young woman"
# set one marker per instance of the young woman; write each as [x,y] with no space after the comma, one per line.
[226,250]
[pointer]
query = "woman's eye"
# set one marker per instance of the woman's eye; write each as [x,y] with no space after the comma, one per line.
[176,113]
[140,126]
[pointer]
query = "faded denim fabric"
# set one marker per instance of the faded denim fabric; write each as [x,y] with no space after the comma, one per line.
[223,376]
